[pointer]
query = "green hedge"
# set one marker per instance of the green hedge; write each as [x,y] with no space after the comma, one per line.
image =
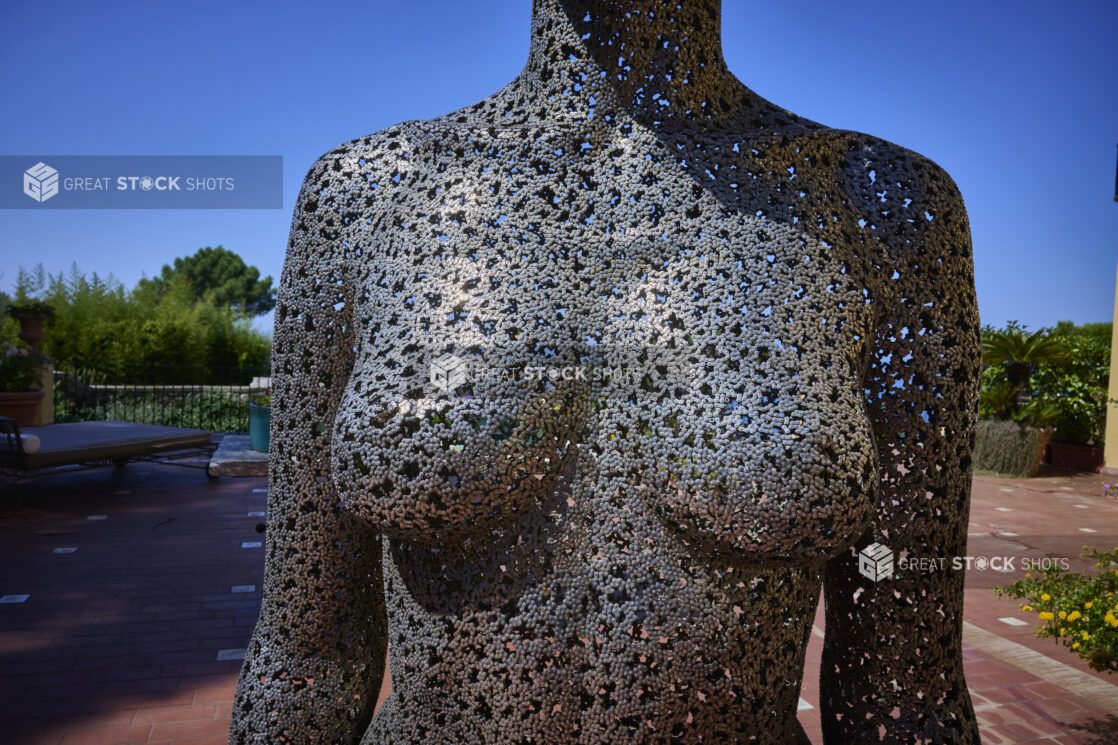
[97,320]
[1008,448]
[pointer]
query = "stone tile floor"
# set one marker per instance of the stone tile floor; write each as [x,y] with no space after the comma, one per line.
[134,632]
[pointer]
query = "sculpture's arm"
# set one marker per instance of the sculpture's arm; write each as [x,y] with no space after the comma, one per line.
[314,666]
[892,660]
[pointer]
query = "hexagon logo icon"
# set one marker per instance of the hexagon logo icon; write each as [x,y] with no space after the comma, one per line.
[40,182]
[875,562]
[448,372]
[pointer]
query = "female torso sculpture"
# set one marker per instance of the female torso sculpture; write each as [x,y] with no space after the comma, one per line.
[583,392]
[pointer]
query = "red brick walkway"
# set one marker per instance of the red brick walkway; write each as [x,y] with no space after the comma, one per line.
[119,640]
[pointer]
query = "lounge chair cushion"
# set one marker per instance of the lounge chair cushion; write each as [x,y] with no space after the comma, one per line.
[30,443]
[82,442]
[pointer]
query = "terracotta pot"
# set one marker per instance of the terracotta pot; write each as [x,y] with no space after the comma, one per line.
[21,406]
[31,328]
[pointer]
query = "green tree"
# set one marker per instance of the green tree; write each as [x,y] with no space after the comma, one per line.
[99,322]
[1077,384]
[217,276]
[1063,373]
[1019,353]
[9,326]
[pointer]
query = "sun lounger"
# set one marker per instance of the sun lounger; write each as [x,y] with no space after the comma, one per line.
[24,450]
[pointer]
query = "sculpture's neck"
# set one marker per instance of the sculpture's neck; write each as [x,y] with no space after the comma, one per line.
[652,59]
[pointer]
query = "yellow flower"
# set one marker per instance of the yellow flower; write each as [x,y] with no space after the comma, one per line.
[1063,631]
[1046,616]
[1075,646]
[1088,605]
[1086,636]
[1045,597]
[1064,614]
[1027,608]
[1074,615]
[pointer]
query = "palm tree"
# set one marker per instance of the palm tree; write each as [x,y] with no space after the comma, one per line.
[1021,352]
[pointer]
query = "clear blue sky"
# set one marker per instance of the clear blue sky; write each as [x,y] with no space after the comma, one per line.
[1017,100]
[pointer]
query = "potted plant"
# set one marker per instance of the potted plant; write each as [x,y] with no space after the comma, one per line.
[259,420]
[31,314]
[1015,425]
[20,377]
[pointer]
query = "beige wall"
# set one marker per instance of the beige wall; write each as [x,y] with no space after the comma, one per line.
[1111,452]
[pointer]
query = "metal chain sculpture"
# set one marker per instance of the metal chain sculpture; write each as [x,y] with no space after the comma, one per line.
[584,392]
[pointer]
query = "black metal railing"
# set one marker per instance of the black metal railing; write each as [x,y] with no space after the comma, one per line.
[199,397]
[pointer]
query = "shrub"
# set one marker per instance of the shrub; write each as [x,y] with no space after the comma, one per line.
[98,321]
[1068,370]
[1008,448]
[1077,386]
[20,369]
[1078,610]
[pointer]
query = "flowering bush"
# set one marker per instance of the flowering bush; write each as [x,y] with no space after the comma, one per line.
[1078,610]
[263,398]
[19,369]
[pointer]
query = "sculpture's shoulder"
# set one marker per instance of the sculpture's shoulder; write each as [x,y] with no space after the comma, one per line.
[898,211]
[906,206]
[893,184]
[365,165]
[912,224]
[354,191]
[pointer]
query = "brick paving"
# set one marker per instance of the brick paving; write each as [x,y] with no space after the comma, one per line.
[127,639]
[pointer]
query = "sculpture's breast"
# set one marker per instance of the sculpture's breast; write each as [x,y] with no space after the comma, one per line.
[453,421]
[744,428]
[524,303]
